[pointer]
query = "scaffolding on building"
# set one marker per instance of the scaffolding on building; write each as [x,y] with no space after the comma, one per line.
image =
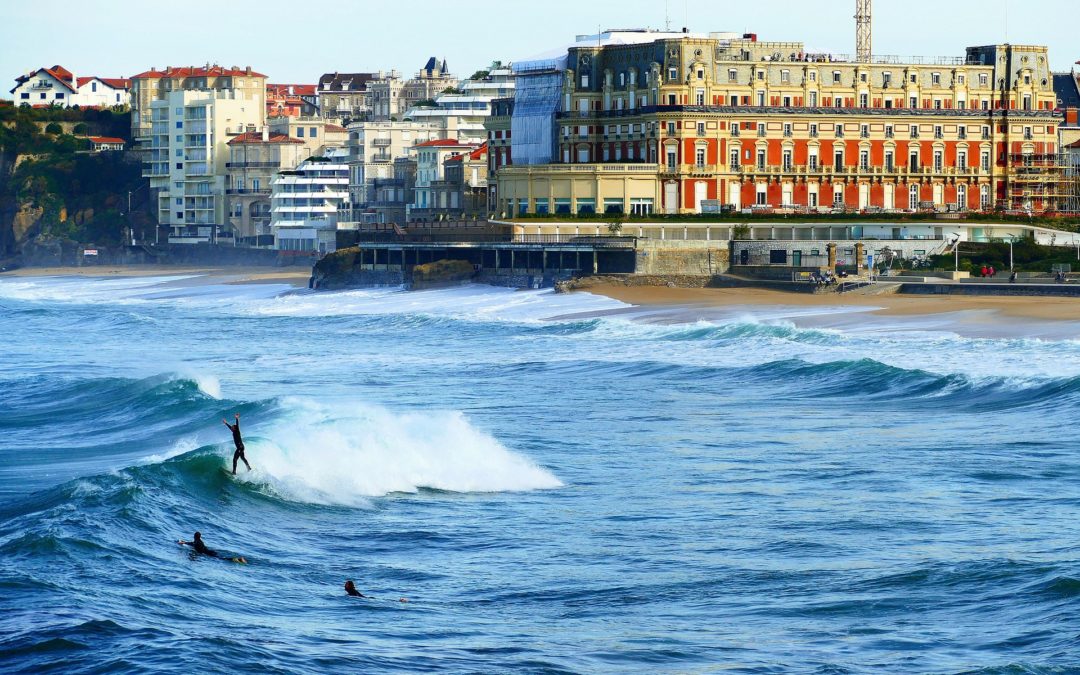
[1045,182]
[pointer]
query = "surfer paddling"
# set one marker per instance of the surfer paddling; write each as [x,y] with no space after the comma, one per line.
[200,547]
[239,454]
[350,589]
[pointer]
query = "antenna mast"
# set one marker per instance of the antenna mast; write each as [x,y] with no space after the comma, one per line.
[863,50]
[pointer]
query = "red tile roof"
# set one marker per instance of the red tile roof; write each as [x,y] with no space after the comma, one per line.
[114,82]
[444,143]
[256,137]
[106,139]
[335,128]
[297,89]
[479,153]
[59,73]
[193,71]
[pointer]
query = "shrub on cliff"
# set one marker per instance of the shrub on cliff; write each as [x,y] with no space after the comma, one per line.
[54,129]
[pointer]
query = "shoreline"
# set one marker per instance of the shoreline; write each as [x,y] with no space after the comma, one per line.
[1039,308]
[293,276]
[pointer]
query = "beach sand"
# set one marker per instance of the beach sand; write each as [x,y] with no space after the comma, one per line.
[1011,307]
[293,276]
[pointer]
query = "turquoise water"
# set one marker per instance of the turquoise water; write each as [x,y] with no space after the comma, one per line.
[555,483]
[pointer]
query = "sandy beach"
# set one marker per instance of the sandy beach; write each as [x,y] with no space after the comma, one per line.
[294,276]
[1013,307]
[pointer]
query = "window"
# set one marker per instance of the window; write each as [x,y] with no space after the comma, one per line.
[938,132]
[812,159]
[813,99]
[671,159]
[889,131]
[179,138]
[179,125]
[761,159]
[733,158]
[787,130]
[864,100]
[761,129]
[179,201]
[862,77]
[913,102]
[93,86]
[914,78]
[886,79]
[890,161]
[672,74]
[983,80]
[700,97]
[960,79]
[700,128]
[985,161]
[761,98]
[961,132]
[914,131]
[836,77]
[761,75]
[913,161]
[622,79]
[864,131]
[814,130]
[179,152]
[838,102]
[1027,102]
[732,75]
[864,160]
[838,161]
[935,79]
[584,80]
[986,133]
[961,160]
[700,74]
[179,165]
[839,130]
[785,76]
[939,160]
[24,96]
[813,76]
[787,160]
[313,132]
[299,132]
[699,157]
[671,128]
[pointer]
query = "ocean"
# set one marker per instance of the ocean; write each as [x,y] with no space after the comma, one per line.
[555,483]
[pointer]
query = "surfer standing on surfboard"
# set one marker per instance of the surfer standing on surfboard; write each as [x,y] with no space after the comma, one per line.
[239,454]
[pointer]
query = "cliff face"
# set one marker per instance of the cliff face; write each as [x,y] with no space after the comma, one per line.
[53,190]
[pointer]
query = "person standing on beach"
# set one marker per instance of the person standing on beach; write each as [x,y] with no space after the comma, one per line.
[239,442]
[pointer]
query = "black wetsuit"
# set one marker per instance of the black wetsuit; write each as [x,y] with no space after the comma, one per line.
[200,547]
[355,593]
[239,442]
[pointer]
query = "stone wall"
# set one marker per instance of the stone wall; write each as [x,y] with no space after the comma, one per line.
[759,250]
[681,257]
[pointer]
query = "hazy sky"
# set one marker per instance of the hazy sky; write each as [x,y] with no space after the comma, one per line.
[297,41]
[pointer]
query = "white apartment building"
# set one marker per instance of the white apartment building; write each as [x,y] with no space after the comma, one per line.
[462,114]
[187,158]
[305,204]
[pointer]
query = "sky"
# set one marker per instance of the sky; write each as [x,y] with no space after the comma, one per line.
[295,42]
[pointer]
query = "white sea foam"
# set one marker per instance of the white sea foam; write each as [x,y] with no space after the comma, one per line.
[346,454]
[209,385]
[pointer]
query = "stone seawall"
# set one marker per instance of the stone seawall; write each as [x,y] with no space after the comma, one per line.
[1021,289]
[658,257]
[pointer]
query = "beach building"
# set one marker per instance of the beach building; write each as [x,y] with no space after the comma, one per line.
[306,203]
[183,119]
[255,158]
[106,144]
[643,122]
[463,187]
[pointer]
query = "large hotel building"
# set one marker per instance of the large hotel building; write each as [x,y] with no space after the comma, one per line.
[650,122]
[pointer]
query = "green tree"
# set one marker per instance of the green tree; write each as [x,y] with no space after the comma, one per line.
[81,129]
[741,232]
[54,129]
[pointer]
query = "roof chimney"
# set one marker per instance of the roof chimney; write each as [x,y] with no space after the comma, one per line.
[248,70]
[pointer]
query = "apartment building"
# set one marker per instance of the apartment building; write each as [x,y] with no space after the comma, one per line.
[373,149]
[463,111]
[344,97]
[255,158]
[306,202]
[431,159]
[462,192]
[659,122]
[183,119]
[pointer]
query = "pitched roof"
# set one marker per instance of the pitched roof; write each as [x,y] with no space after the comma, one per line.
[256,137]
[58,73]
[335,128]
[114,82]
[337,81]
[290,89]
[444,143]
[193,71]
[1067,90]
[106,139]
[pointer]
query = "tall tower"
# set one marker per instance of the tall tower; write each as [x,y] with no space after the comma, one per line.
[862,31]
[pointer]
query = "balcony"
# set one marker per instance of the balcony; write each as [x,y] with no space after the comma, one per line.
[252,165]
[381,142]
[41,84]
[248,191]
